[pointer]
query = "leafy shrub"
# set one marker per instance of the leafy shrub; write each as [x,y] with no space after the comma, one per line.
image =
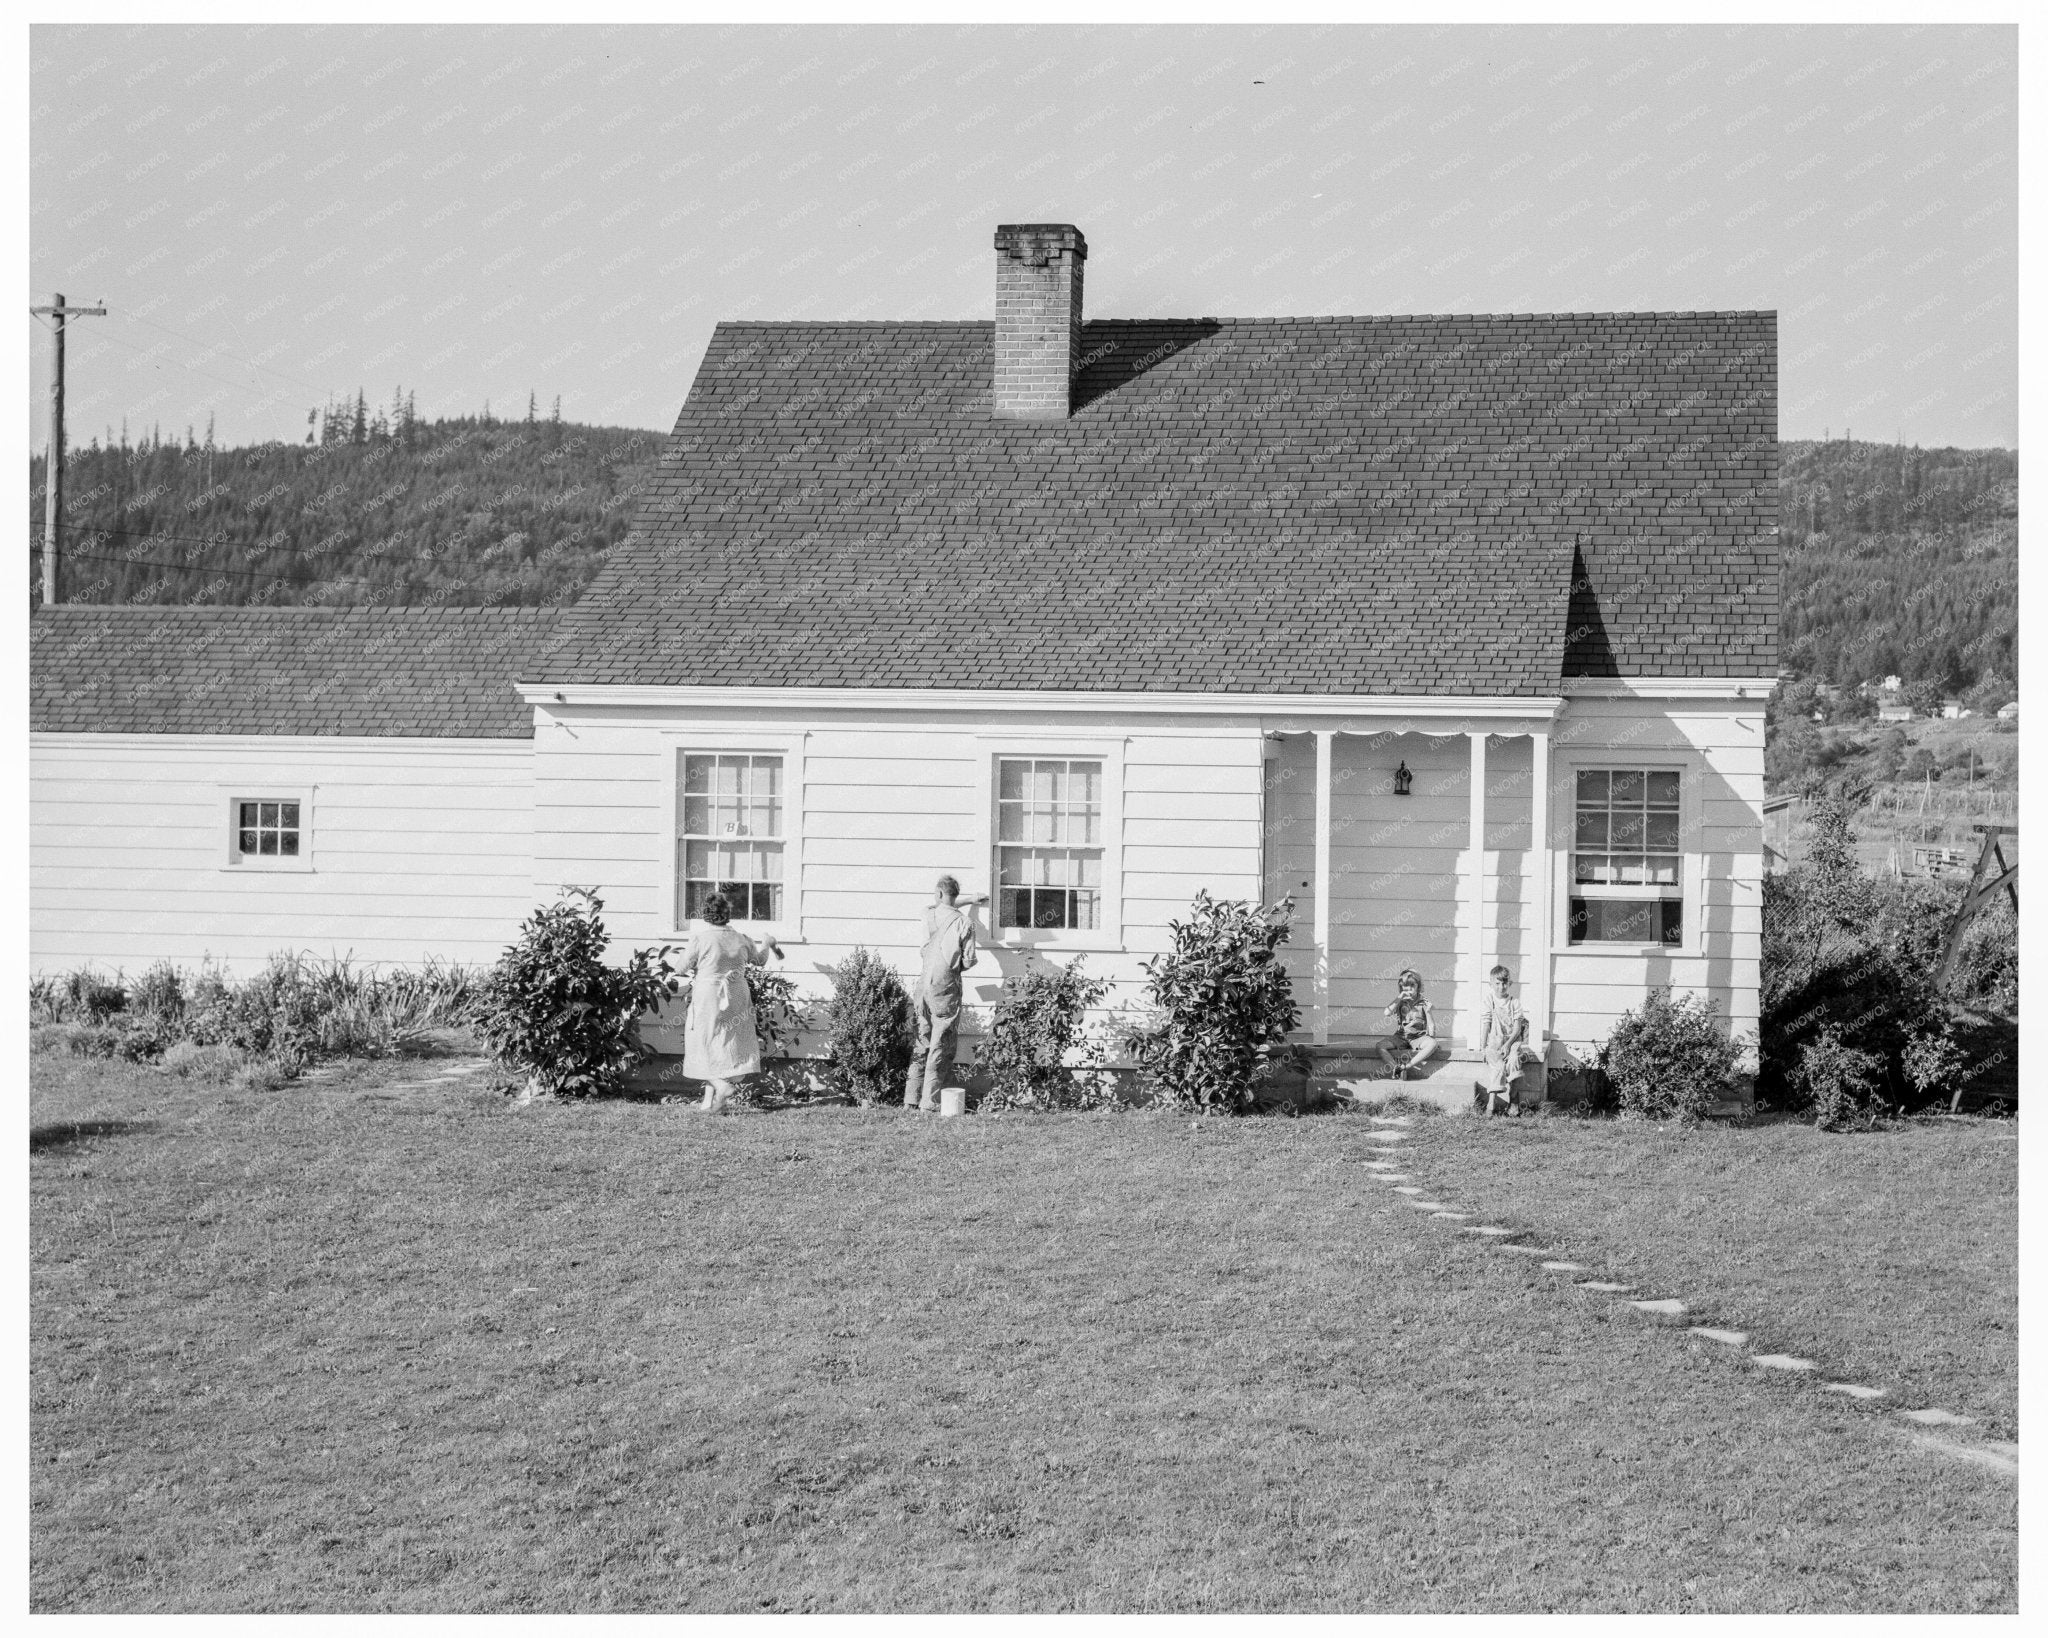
[1224,1006]
[873,1028]
[1933,1063]
[1858,957]
[371,1015]
[1987,969]
[1037,1023]
[1842,1084]
[292,1012]
[1842,952]
[209,1007]
[276,1015]
[1670,1058]
[158,996]
[81,997]
[779,1013]
[553,1011]
[50,1037]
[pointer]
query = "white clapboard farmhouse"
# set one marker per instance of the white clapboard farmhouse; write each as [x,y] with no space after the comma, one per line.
[1456,628]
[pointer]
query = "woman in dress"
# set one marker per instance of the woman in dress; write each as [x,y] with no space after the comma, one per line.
[719,1042]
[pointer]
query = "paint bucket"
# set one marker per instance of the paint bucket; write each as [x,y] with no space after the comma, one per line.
[952,1101]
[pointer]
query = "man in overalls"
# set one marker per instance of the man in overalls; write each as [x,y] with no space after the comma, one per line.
[949,950]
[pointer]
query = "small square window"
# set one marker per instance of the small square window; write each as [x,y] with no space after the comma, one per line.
[265,829]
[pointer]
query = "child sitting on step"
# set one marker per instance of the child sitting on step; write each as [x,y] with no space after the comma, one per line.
[1414,1037]
[1506,1044]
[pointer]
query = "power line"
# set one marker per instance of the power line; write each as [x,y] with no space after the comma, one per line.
[155,534]
[121,341]
[213,346]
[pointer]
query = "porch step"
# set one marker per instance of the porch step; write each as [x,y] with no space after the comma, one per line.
[1351,1070]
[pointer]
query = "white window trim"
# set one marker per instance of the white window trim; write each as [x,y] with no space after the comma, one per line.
[1109,751]
[260,790]
[790,747]
[1565,766]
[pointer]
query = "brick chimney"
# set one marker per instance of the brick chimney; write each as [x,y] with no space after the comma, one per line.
[1038,319]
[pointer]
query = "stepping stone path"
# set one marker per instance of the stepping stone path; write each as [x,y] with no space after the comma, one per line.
[1997,1455]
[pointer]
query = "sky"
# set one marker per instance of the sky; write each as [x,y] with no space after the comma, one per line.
[276,215]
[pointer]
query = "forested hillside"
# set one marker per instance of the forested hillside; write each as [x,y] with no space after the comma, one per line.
[379,508]
[1900,561]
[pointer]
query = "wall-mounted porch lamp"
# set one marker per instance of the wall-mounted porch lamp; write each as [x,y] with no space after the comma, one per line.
[1402,780]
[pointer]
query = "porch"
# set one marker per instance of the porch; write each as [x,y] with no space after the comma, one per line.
[1413,842]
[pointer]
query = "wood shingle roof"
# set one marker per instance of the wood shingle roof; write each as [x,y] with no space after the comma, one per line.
[1429,505]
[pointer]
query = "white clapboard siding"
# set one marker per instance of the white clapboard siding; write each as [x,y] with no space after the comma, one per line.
[419,848]
[1722,750]
[887,800]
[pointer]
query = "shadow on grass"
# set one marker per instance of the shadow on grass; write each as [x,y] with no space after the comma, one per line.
[69,1134]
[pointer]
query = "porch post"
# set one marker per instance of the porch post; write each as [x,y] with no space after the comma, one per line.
[1324,736]
[1475,892]
[1537,913]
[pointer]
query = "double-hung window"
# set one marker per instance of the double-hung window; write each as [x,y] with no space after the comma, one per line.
[1049,843]
[1628,862]
[730,834]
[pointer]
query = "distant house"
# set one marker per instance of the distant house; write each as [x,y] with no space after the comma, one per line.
[1092,615]
[2009,712]
[1895,711]
[1955,709]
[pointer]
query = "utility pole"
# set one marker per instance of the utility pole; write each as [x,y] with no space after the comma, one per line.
[53,464]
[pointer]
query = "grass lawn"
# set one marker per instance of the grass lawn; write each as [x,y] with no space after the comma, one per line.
[1889,1258]
[341,1347]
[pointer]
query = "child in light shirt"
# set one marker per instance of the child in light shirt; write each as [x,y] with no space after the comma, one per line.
[1414,1037]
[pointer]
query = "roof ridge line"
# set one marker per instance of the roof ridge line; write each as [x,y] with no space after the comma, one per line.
[1266,318]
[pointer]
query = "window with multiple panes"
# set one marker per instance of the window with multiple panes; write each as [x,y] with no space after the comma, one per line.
[729,816]
[266,829]
[1048,843]
[1628,867]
